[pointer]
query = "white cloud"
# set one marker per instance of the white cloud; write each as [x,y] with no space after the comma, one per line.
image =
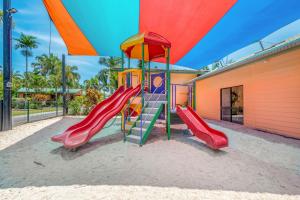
[26,11]
[78,62]
[42,36]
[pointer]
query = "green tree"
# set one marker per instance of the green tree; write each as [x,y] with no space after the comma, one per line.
[26,43]
[17,82]
[111,63]
[50,67]
[93,83]
[46,64]
[37,81]
[72,77]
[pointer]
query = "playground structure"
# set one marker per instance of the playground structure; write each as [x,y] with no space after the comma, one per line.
[142,98]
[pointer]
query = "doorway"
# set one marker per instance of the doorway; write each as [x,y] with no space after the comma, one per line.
[232,108]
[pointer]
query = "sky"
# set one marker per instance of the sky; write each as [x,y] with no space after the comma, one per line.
[33,19]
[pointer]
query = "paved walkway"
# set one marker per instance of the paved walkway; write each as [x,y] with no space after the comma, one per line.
[21,119]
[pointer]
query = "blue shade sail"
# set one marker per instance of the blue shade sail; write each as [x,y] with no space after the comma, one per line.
[248,21]
[106,23]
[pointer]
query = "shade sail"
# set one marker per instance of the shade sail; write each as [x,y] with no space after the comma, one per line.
[247,22]
[200,31]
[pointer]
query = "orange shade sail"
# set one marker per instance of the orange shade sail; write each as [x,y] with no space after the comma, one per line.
[76,42]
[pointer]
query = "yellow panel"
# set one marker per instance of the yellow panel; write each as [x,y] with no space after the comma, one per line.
[132,41]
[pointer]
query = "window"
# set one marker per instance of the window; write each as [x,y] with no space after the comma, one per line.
[232,104]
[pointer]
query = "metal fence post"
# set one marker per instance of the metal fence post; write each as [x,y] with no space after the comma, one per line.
[64,84]
[1,115]
[27,106]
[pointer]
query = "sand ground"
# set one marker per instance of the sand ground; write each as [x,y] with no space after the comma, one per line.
[256,165]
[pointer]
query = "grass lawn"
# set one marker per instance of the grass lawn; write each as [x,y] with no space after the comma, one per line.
[18,112]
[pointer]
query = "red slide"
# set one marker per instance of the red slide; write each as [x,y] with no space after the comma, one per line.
[214,139]
[91,116]
[83,134]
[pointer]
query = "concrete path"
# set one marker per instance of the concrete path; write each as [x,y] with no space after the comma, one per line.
[21,119]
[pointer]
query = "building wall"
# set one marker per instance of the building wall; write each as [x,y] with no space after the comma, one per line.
[181,91]
[271,88]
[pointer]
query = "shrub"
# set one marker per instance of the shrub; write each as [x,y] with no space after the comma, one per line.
[92,97]
[18,103]
[75,106]
[40,97]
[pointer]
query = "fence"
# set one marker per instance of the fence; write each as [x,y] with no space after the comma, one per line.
[28,111]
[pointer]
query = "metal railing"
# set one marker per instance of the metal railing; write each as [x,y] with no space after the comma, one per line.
[126,119]
[133,110]
[141,115]
[156,100]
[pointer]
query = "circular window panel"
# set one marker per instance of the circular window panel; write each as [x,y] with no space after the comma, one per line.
[157,82]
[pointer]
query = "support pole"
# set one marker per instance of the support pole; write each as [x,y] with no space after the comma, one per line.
[128,75]
[194,95]
[143,85]
[168,95]
[122,62]
[7,66]
[64,84]
[123,114]
[149,76]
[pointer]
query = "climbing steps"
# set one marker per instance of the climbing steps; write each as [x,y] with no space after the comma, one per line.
[143,125]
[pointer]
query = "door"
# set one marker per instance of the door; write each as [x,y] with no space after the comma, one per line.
[226,104]
[232,109]
[158,83]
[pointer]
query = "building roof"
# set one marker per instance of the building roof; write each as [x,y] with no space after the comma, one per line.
[273,50]
[155,66]
[48,90]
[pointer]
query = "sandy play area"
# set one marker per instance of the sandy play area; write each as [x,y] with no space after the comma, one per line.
[256,165]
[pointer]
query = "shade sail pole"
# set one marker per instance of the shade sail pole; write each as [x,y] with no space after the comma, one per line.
[168,95]
[7,66]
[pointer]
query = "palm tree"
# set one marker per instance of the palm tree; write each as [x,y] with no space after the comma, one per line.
[50,67]
[111,63]
[17,81]
[72,76]
[26,43]
[102,78]
[46,64]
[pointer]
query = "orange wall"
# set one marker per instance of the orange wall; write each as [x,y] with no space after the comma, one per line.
[271,93]
[181,92]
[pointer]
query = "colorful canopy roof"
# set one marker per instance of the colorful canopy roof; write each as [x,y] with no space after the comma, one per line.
[200,31]
[155,46]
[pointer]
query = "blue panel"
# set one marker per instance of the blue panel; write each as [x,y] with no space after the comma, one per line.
[158,83]
[247,21]
[105,23]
